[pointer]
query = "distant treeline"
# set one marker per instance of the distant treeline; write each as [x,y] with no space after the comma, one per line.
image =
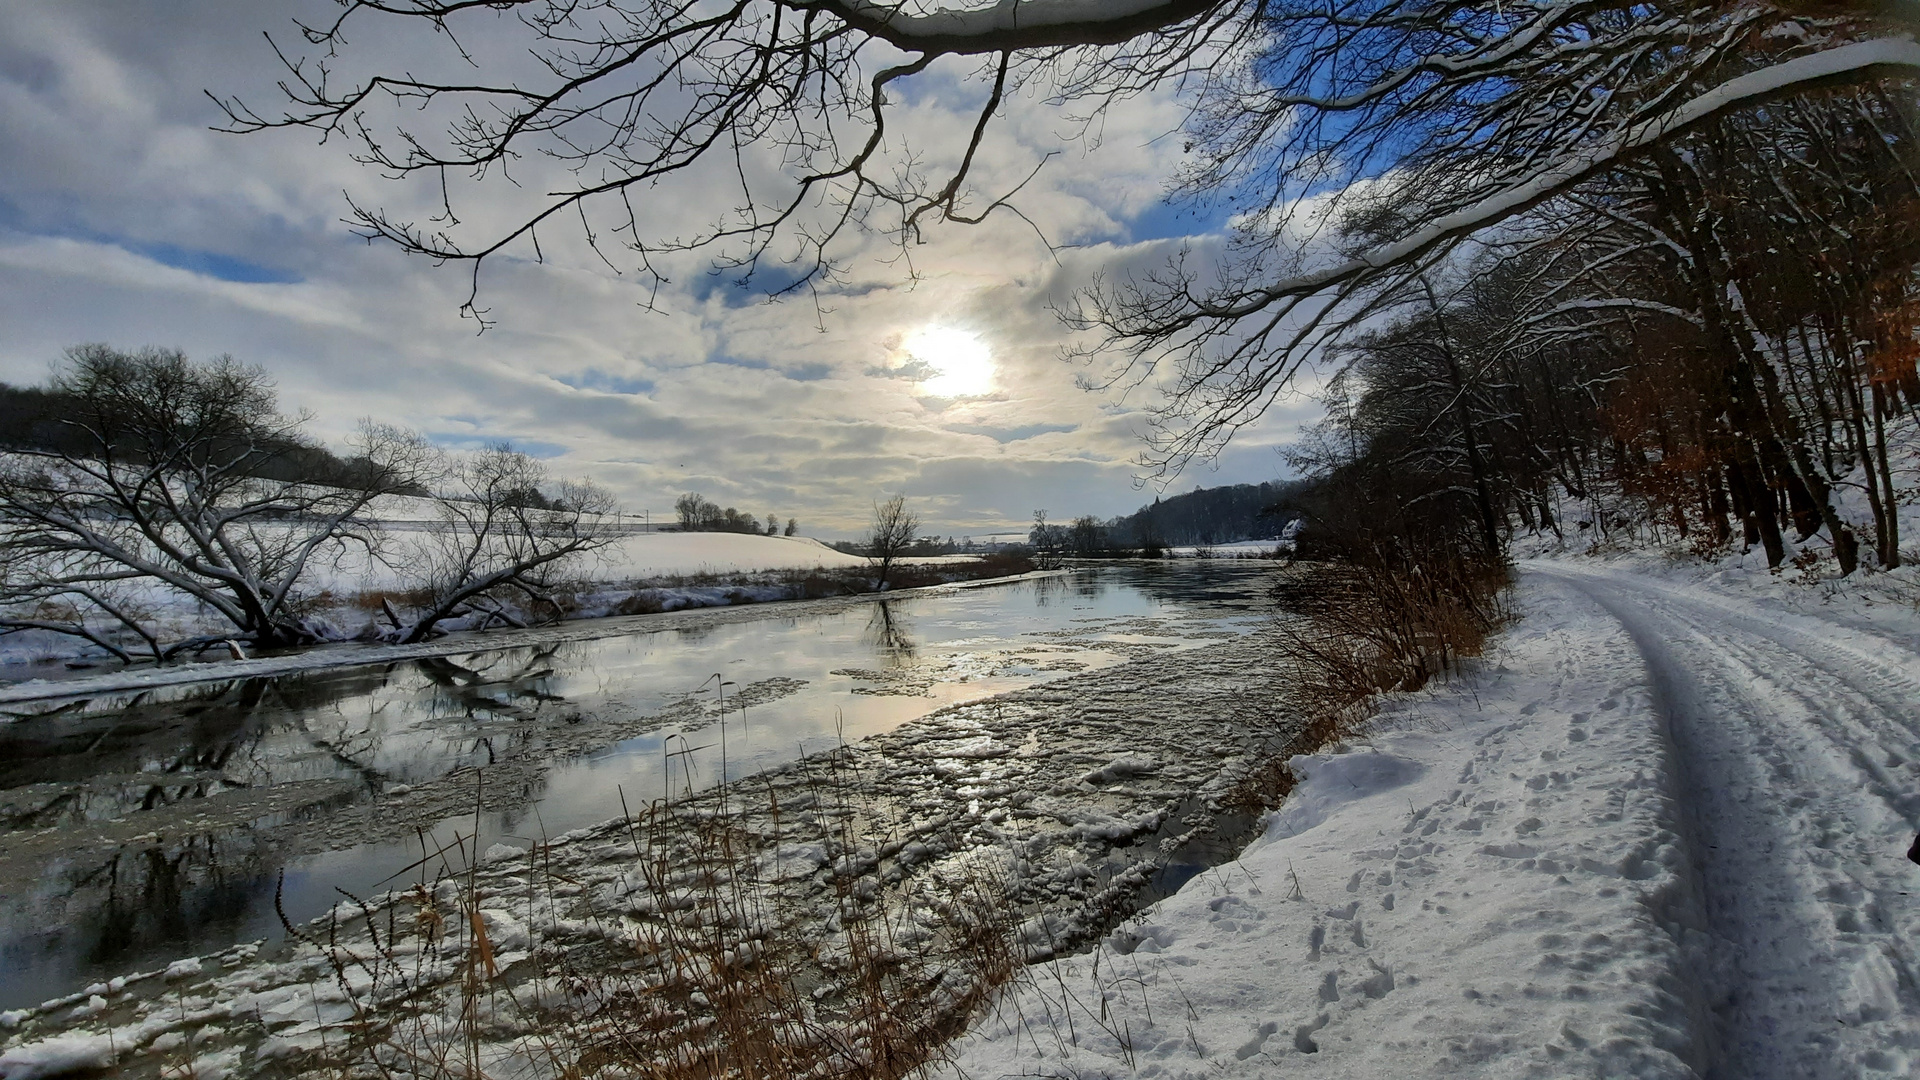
[1219,515]
[698,514]
[42,419]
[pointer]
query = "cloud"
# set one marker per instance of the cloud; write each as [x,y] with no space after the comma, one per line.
[124,219]
[1012,434]
[595,379]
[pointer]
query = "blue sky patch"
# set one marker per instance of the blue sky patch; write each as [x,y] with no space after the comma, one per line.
[1163,220]
[595,379]
[212,264]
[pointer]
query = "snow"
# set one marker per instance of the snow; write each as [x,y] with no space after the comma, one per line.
[57,1056]
[1325,782]
[672,554]
[1660,832]
[639,555]
[183,969]
[650,562]
[1239,549]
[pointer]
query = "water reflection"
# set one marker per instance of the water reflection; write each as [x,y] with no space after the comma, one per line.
[890,635]
[155,896]
[371,727]
[135,875]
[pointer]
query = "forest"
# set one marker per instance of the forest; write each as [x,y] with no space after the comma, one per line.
[1709,343]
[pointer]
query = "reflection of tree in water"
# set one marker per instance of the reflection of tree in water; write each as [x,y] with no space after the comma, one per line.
[146,751]
[509,682]
[1064,588]
[694,633]
[93,759]
[114,758]
[1048,589]
[890,634]
[147,898]
[135,908]
[1088,586]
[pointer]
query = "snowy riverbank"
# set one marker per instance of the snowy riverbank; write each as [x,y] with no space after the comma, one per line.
[1661,832]
[645,573]
[1069,797]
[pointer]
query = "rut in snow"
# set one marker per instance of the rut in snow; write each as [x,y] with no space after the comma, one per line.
[1798,742]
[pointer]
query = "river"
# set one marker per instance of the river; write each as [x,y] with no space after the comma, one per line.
[142,827]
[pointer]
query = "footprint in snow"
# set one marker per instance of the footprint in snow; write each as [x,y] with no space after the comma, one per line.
[1303,1035]
[1253,1046]
[1380,983]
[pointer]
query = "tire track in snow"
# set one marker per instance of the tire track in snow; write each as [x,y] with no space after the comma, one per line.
[1800,755]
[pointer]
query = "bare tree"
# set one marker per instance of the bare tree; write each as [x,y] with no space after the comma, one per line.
[893,532]
[498,536]
[1359,143]
[694,511]
[178,489]
[625,95]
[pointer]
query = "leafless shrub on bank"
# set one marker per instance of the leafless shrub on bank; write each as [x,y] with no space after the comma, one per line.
[501,539]
[1357,630]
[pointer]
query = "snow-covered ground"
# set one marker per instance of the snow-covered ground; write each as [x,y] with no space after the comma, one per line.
[1660,832]
[1239,549]
[726,568]
[640,555]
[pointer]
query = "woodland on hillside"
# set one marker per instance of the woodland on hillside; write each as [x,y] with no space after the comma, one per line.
[1716,339]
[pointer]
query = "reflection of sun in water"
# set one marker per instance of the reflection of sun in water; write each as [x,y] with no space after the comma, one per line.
[962,365]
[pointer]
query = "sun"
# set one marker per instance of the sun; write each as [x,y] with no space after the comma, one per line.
[962,365]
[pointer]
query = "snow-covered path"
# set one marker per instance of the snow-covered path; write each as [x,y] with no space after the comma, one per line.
[1661,834]
[1798,745]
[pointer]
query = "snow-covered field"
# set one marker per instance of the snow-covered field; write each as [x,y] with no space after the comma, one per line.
[1661,832]
[641,555]
[653,561]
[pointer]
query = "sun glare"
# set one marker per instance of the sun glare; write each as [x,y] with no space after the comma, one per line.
[962,365]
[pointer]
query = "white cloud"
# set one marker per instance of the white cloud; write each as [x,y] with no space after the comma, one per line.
[770,407]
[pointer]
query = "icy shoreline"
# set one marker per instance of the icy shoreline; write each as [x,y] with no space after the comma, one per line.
[346,654]
[1657,831]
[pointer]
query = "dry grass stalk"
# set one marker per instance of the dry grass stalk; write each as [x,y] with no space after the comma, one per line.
[703,967]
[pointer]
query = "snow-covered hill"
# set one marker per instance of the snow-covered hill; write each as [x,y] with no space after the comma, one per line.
[738,564]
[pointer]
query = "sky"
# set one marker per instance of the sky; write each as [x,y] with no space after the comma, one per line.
[124,219]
